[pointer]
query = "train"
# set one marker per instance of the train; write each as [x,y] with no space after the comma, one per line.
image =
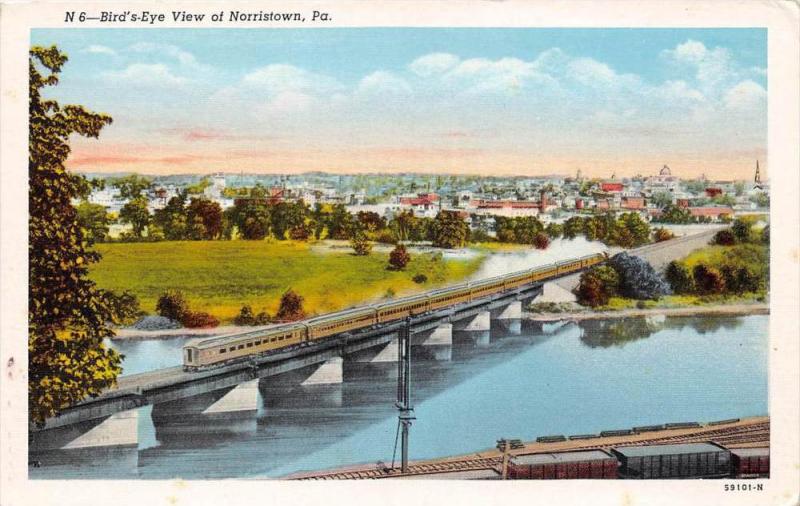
[204,353]
[695,460]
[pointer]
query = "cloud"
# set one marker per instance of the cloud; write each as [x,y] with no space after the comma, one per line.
[183,57]
[713,67]
[145,74]
[98,49]
[747,95]
[383,82]
[433,63]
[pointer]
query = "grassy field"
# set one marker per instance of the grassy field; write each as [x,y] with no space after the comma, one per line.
[220,276]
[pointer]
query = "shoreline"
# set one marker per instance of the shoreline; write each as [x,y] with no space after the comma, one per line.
[719,309]
[129,334]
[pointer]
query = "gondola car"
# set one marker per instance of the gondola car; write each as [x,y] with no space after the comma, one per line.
[201,353]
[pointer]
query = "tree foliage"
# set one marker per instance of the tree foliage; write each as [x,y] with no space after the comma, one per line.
[360,244]
[94,221]
[291,307]
[399,258]
[173,305]
[679,278]
[708,280]
[135,213]
[637,278]
[68,316]
[132,186]
[597,286]
[449,230]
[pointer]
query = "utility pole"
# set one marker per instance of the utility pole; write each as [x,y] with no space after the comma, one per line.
[403,403]
[506,445]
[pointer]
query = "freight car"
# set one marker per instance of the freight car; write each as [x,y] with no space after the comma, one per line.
[586,464]
[688,460]
[750,462]
[204,353]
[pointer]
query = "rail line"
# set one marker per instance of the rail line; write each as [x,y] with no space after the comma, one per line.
[738,435]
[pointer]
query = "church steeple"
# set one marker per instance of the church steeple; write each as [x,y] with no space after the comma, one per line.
[757,179]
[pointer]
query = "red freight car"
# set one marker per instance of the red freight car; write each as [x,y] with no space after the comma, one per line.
[588,464]
[750,462]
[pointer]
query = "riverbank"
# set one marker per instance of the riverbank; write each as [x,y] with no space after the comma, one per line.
[716,309]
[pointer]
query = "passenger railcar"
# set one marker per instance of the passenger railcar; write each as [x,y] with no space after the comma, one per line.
[201,353]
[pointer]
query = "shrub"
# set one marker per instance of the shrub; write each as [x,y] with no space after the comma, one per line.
[741,230]
[597,286]
[662,234]
[708,280]
[637,278]
[299,233]
[291,307]
[740,279]
[399,258]
[640,304]
[385,236]
[765,235]
[479,235]
[541,240]
[125,309]
[199,320]
[390,293]
[724,238]
[171,304]
[420,278]
[679,278]
[361,246]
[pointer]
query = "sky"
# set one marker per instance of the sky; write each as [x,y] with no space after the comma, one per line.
[436,100]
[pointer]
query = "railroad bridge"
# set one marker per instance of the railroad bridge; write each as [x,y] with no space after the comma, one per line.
[225,398]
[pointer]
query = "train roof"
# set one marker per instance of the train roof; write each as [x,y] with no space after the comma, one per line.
[552,458]
[275,327]
[675,449]
[340,314]
[761,451]
[410,298]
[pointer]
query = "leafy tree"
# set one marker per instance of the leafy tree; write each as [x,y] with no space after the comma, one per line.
[208,214]
[449,230]
[573,227]
[251,218]
[399,258]
[661,234]
[132,186]
[172,218]
[661,199]
[199,187]
[740,279]
[541,240]
[505,229]
[285,216]
[526,228]
[247,317]
[760,199]
[291,307]
[340,223]
[597,286]
[370,221]
[679,278]
[360,244]
[638,228]
[637,278]
[554,230]
[136,213]
[741,230]
[724,237]
[674,214]
[708,280]
[94,221]
[403,225]
[765,235]
[738,188]
[172,304]
[68,316]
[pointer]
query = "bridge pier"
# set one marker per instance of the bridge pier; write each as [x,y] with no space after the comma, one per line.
[385,353]
[111,442]
[436,343]
[476,328]
[508,319]
[230,410]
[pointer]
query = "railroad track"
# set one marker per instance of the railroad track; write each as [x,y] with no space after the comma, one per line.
[728,436]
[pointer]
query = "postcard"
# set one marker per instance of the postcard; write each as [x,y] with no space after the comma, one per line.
[547,247]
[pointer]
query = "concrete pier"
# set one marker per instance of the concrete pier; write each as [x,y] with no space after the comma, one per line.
[231,410]
[436,343]
[327,373]
[384,353]
[476,329]
[513,311]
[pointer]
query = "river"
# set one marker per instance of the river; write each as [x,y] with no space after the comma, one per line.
[549,379]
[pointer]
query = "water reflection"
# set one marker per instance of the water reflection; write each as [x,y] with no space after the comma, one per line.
[564,378]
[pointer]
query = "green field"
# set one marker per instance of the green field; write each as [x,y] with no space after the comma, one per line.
[220,276]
